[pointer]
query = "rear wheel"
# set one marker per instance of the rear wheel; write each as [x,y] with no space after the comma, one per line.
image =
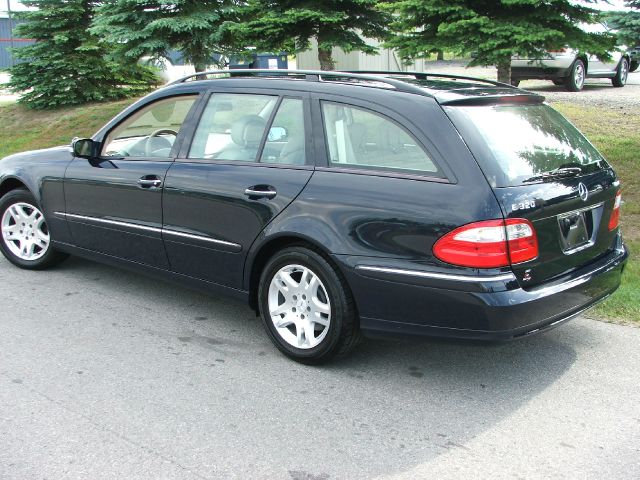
[25,239]
[306,307]
[622,72]
[575,81]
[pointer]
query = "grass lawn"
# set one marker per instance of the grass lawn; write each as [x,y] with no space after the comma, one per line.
[615,133]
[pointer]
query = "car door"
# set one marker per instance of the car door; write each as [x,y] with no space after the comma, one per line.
[114,202]
[599,67]
[250,156]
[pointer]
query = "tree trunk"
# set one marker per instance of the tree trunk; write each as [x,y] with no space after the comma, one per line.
[200,65]
[325,58]
[440,56]
[504,71]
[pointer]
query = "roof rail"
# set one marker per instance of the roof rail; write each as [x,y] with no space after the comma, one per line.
[309,75]
[426,75]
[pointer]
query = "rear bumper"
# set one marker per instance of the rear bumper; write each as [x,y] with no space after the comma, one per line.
[392,303]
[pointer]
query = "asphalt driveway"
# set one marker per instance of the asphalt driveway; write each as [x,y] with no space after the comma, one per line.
[107,374]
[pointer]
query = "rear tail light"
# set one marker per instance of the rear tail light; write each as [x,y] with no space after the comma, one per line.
[614,221]
[489,244]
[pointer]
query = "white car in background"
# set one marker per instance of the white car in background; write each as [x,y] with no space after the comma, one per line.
[571,68]
[165,69]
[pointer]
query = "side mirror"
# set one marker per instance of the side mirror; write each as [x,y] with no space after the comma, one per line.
[84,148]
[277,133]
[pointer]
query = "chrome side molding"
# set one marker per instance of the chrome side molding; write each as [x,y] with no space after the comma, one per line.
[135,226]
[439,276]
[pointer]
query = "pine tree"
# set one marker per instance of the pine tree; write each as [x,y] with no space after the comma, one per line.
[67,65]
[154,27]
[289,26]
[494,30]
[627,24]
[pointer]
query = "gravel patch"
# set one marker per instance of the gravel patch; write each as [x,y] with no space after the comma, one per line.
[5,95]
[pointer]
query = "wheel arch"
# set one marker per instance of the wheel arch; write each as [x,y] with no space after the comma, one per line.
[627,57]
[261,254]
[12,183]
[585,62]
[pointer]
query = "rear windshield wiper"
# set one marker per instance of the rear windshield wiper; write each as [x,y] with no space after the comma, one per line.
[556,173]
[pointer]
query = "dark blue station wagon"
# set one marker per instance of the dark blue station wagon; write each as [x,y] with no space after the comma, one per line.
[336,204]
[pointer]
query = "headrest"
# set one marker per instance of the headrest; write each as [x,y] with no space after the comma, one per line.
[247,131]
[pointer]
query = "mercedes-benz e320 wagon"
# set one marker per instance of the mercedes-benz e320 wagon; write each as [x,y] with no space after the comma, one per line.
[336,204]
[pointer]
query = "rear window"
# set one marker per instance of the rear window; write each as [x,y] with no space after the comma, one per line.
[516,143]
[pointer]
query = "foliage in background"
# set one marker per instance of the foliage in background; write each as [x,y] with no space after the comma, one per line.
[494,30]
[289,26]
[67,65]
[616,134]
[137,28]
[627,24]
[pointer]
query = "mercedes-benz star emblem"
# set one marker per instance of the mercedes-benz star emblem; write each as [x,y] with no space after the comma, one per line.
[583,191]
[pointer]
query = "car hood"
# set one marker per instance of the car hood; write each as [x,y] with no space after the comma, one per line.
[44,154]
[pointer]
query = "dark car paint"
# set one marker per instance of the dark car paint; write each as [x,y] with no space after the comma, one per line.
[553,199]
[359,218]
[109,189]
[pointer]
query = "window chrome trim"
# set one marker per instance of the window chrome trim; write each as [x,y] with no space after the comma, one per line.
[439,276]
[145,228]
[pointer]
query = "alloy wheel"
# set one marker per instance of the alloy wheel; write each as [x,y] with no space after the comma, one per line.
[25,232]
[299,306]
[578,75]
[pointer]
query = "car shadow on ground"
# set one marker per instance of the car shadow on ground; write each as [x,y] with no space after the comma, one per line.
[561,89]
[391,405]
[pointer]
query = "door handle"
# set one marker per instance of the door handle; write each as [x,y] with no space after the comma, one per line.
[149,181]
[260,191]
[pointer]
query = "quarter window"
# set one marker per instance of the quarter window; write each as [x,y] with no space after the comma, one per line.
[151,131]
[359,138]
[232,127]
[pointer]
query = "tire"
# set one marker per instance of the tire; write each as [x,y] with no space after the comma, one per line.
[21,218]
[622,72]
[577,74]
[326,298]
[559,82]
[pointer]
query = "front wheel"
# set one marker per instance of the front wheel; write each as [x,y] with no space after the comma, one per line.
[622,72]
[575,81]
[25,239]
[306,307]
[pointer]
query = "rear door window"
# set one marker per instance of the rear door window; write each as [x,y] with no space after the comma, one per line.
[362,139]
[286,139]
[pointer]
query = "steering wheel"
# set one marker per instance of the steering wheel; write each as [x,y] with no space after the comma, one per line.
[161,131]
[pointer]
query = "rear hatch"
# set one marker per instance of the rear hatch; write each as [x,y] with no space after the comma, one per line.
[543,169]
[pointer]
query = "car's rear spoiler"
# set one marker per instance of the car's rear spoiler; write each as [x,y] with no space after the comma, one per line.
[519,99]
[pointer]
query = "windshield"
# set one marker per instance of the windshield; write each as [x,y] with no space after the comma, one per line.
[516,144]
